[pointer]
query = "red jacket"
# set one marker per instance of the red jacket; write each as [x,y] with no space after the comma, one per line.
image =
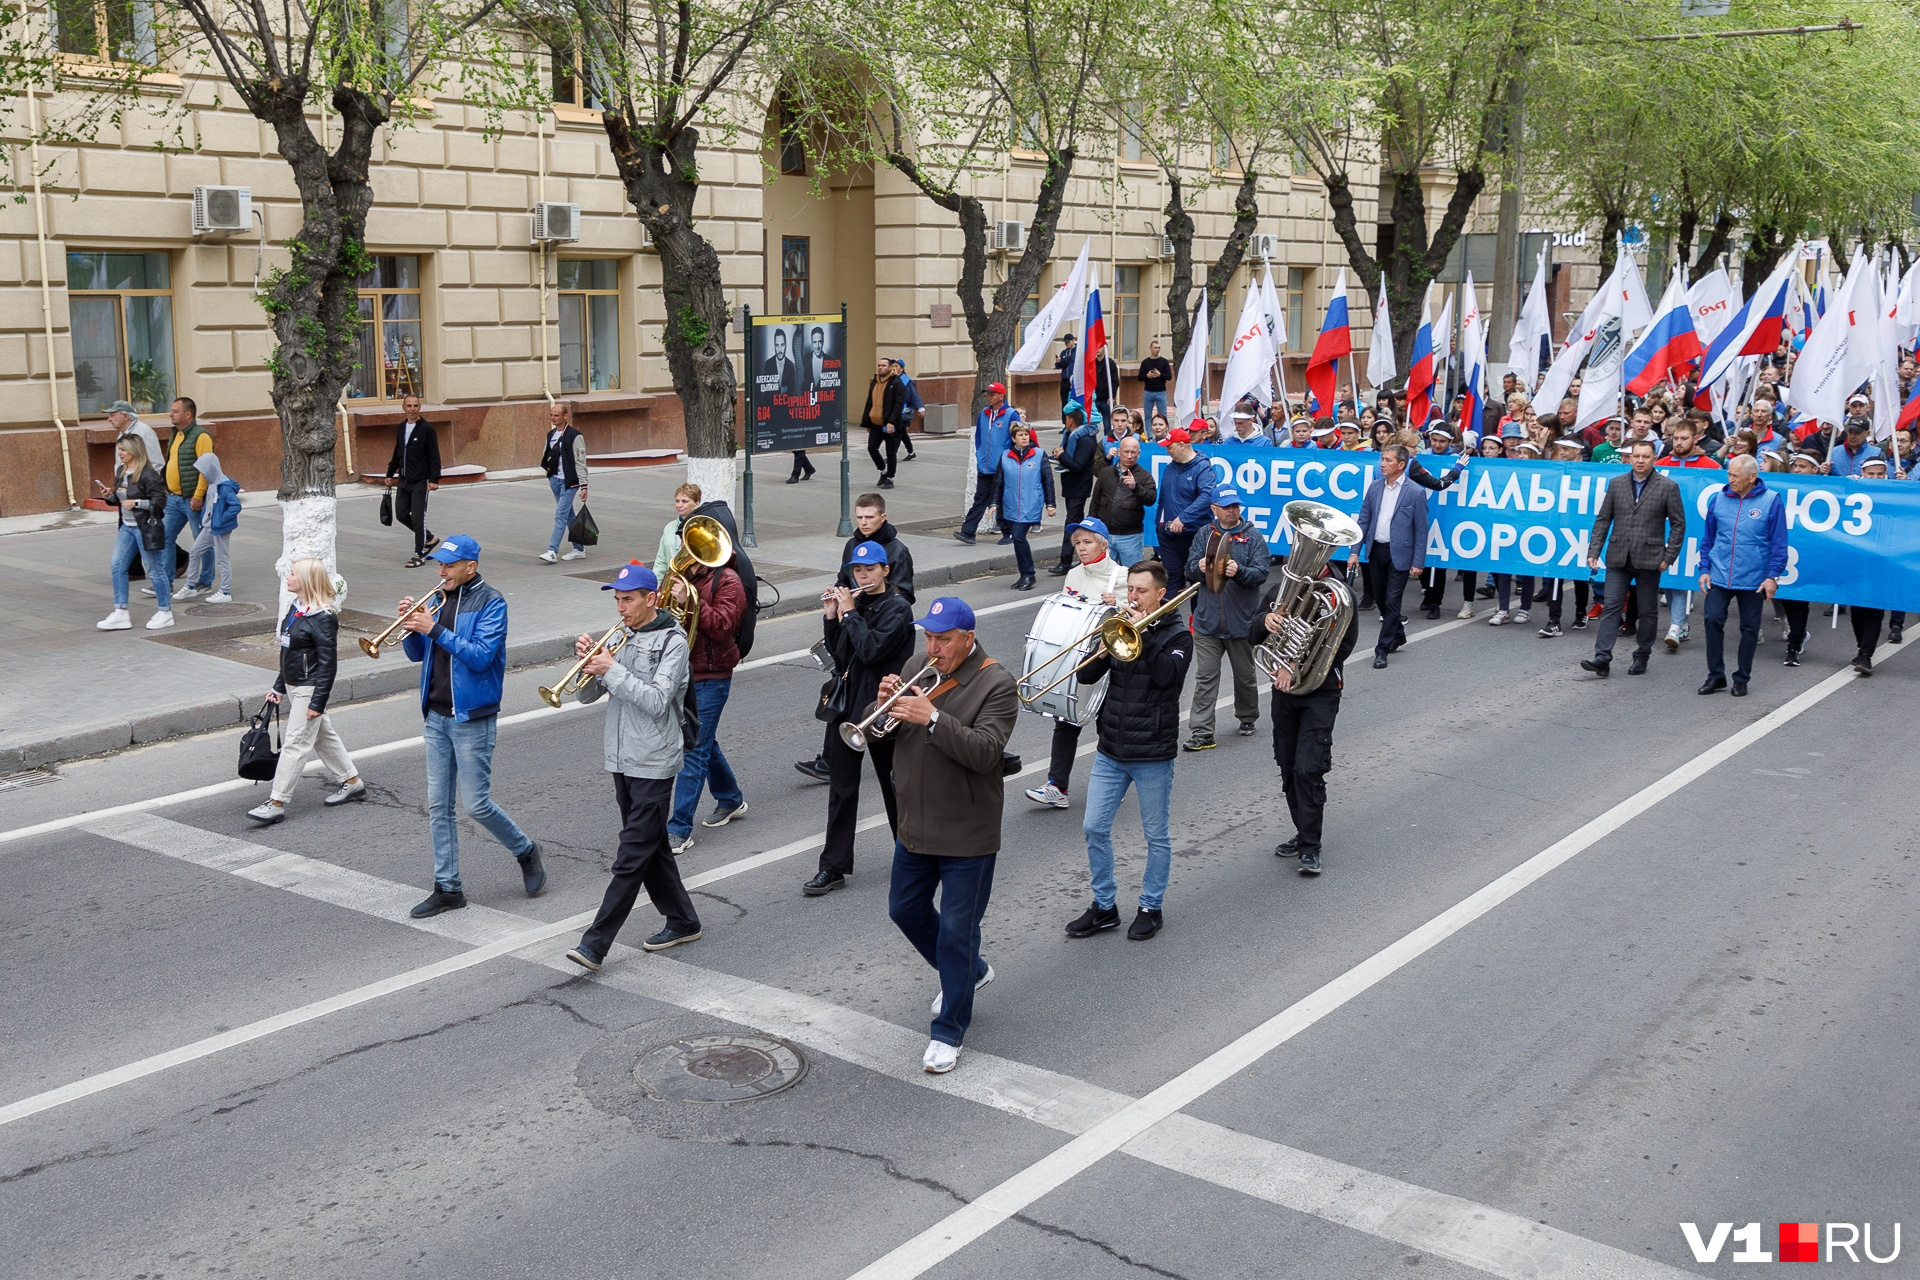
[723,603]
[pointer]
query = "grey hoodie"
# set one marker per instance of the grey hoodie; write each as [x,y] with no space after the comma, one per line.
[647,682]
[208,465]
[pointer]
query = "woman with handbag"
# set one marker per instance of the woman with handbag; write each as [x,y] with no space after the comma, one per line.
[140,493]
[309,637]
[869,633]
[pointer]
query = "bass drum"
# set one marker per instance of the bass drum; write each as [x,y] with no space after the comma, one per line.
[1052,652]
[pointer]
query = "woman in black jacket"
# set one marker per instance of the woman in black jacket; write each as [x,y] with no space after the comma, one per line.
[869,632]
[140,493]
[309,659]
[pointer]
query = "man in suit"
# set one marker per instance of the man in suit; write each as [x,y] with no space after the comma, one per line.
[1393,544]
[781,366]
[413,472]
[1647,519]
[813,367]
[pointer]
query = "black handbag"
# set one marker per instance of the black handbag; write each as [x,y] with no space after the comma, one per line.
[259,758]
[386,508]
[584,531]
[836,697]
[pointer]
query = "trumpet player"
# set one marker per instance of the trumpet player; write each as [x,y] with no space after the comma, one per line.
[644,670]
[462,652]
[1303,732]
[869,632]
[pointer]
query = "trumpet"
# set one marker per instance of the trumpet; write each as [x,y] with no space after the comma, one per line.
[1121,637]
[432,604]
[576,679]
[859,735]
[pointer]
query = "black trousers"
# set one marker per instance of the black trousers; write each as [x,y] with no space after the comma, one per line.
[1796,611]
[1389,585]
[879,438]
[1076,512]
[1557,593]
[843,797]
[1174,549]
[644,859]
[1866,628]
[1434,586]
[410,509]
[1303,748]
[1066,741]
[1645,585]
[802,464]
[986,493]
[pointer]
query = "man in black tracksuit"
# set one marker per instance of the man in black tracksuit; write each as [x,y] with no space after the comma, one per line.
[1075,458]
[1303,738]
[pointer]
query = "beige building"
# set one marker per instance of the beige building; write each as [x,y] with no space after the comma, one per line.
[464,309]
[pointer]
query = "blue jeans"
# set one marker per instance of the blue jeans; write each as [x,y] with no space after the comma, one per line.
[1105,789]
[1127,548]
[1022,552]
[125,548]
[706,765]
[948,939]
[562,512]
[460,756]
[1156,400]
[181,515]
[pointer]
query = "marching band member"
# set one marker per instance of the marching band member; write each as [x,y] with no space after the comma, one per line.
[647,681]
[1303,734]
[869,632]
[951,796]
[722,598]
[1139,728]
[1230,562]
[1097,576]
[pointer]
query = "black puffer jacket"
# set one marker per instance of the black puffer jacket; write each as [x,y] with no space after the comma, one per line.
[899,559]
[1140,718]
[311,653]
[871,642]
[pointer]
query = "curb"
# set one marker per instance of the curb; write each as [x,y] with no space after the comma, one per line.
[227,710]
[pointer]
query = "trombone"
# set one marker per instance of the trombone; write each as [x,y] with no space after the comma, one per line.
[576,679]
[859,735]
[1120,637]
[371,647]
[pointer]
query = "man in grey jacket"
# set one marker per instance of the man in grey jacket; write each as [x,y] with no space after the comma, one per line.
[1642,524]
[1230,562]
[647,680]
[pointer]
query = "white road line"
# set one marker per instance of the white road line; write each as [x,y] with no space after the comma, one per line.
[959,1229]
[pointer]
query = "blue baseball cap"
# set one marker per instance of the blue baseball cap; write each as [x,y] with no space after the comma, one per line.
[456,548]
[948,613]
[1098,528]
[869,553]
[633,576]
[1226,496]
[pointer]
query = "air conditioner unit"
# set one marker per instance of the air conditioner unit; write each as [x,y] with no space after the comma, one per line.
[1264,246]
[556,221]
[1166,247]
[222,209]
[1009,237]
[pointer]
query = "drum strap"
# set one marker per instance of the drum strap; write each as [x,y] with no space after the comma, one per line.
[949,682]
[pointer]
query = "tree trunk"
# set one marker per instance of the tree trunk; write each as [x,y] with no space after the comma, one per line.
[1613,224]
[661,177]
[1717,241]
[1179,226]
[1246,216]
[1763,251]
[1416,260]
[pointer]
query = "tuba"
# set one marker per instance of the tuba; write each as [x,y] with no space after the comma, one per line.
[703,541]
[1316,611]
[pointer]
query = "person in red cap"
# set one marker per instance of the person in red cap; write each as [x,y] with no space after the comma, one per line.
[992,436]
[1186,505]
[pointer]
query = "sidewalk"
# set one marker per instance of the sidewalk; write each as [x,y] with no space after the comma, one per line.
[72,690]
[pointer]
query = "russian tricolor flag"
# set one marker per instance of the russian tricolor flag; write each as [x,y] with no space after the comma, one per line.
[1910,411]
[1420,372]
[1755,327]
[1093,345]
[1334,344]
[1669,344]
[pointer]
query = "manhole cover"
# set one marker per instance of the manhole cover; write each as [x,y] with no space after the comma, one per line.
[226,612]
[718,1069]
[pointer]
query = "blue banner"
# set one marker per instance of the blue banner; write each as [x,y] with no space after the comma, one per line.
[1849,541]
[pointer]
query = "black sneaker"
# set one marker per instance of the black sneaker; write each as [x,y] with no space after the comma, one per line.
[532,874]
[668,938]
[437,901]
[885,483]
[1432,612]
[586,959]
[1597,666]
[1094,919]
[1006,540]
[1550,631]
[1793,658]
[1144,925]
[1198,743]
[1309,862]
[1487,592]
[1893,633]
[1580,623]
[815,768]
[963,537]
[1246,728]
[1288,848]
[1863,664]
[824,883]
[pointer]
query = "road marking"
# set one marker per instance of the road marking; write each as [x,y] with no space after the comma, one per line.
[959,1229]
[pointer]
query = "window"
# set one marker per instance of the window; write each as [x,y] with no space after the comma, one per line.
[796,276]
[1217,328]
[571,83]
[589,324]
[389,367]
[1126,312]
[1029,308]
[107,30]
[1296,303]
[122,328]
[1132,143]
[1223,153]
[793,143]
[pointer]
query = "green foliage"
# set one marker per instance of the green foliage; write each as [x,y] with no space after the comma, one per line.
[687,326]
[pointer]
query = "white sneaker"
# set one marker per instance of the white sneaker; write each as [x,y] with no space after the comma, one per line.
[1466,611]
[1673,640]
[219,597]
[939,1058]
[1519,615]
[547,557]
[940,997]
[680,846]
[575,554]
[1500,618]
[187,593]
[146,591]
[1049,795]
[116,621]
[161,620]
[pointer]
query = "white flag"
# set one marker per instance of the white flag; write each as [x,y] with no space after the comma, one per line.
[1473,353]
[1443,336]
[1907,311]
[1275,317]
[1381,368]
[1712,301]
[1600,384]
[1064,304]
[1535,323]
[1190,384]
[1250,356]
[1825,374]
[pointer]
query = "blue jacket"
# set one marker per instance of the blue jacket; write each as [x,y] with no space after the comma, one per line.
[1745,539]
[224,511]
[1848,463]
[910,402]
[1186,493]
[992,437]
[1026,486]
[476,646]
[1408,536]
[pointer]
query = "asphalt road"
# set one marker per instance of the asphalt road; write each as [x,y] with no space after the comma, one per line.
[1589,960]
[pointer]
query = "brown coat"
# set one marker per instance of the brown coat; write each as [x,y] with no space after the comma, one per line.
[949,780]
